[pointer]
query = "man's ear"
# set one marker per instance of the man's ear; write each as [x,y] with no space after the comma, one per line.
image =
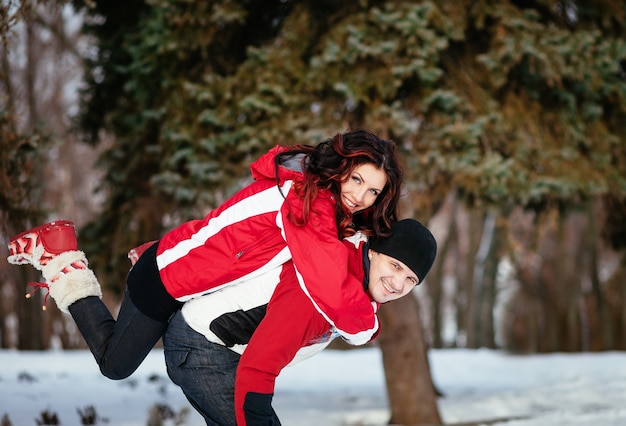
[370,253]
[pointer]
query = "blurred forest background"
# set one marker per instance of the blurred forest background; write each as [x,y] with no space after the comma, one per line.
[510,117]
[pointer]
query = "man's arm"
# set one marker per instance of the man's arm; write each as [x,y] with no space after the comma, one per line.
[291,322]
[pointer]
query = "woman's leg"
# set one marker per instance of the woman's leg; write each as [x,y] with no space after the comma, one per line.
[119,347]
[205,371]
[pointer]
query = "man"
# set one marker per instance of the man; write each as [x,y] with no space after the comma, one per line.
[226,349]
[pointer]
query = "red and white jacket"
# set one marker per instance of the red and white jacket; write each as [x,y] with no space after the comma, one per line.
[251,234]
[271,322]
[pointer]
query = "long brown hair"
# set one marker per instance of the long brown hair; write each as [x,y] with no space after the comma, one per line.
[331,162]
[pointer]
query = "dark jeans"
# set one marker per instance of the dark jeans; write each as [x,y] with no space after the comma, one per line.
[120,346]
[205,371]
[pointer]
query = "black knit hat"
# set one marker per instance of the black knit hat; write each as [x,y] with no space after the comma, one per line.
[411,243]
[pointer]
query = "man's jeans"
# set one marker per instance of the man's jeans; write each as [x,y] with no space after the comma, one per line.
[205,371]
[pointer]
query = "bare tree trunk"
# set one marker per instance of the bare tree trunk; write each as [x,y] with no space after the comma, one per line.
[621,311]
[561,249]
[30,72]
[462,230]
[547,248]
[564,276]
[5,76]
[460,278]
[601,324]
[478,282]
[490,271]
[410,389]
[473,222]
[615,288]
[441,226]
[435,292]
[521,316]
[30,313]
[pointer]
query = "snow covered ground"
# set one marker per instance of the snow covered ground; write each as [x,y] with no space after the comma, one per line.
[334,388]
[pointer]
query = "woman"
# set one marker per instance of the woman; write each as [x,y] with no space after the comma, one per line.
[302,201]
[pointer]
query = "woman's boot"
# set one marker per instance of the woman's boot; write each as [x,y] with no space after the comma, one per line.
[52,249]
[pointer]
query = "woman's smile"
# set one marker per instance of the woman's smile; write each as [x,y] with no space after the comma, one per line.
[362,186]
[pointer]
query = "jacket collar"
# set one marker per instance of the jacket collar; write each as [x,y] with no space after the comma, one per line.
[366,266]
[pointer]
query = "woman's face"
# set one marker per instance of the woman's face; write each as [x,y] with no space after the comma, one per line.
[390,279]
[362,186]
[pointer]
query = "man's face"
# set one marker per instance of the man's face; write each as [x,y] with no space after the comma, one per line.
[390,279]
